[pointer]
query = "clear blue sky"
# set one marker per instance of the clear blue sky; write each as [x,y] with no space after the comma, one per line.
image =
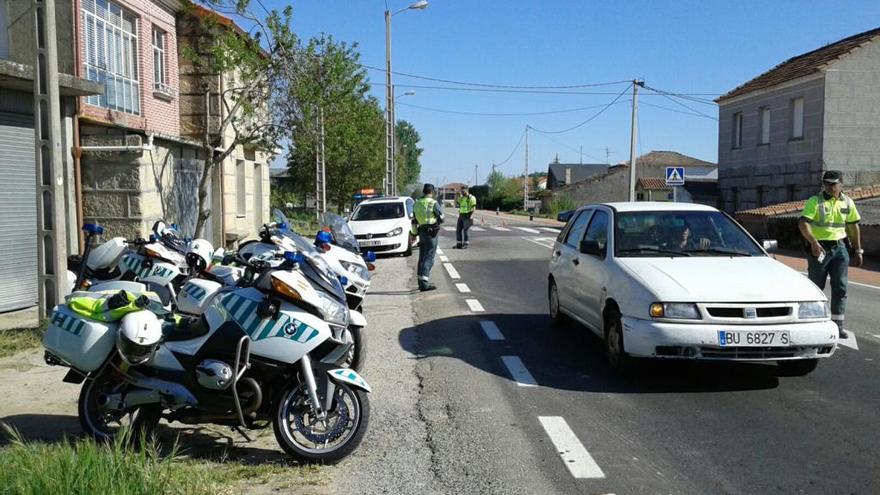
[679,46]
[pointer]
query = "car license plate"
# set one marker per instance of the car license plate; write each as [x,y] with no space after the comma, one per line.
[368,243]
[753,338]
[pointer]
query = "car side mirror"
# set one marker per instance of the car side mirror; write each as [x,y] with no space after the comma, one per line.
[770,245]
[592,248]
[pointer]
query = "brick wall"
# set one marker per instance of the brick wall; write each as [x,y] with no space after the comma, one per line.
[158,114]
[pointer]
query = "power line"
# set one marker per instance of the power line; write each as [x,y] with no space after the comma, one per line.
[514,149]
[481,114]
[670,98]
[688,96]
[515,91]
[600,112]
[560,143]
[486,85]
[702,116]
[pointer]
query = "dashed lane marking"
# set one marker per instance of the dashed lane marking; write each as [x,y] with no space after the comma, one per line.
[541,241]
[501,229]
[444,259]
[529,230]
[474,305]
[453,273]
[439,251]
[518,371]
[491,330]
[575,457]
[478,229]
[449,229]
[463,288]
[550,229]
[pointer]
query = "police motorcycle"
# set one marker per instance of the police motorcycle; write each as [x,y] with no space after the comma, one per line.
[263,353]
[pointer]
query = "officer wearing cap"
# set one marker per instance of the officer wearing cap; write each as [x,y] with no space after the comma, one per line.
[828,220]
[427,217]
[466,203]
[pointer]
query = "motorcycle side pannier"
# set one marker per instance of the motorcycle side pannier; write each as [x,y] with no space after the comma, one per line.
[82,343]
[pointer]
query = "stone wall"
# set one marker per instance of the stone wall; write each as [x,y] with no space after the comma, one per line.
[609,187]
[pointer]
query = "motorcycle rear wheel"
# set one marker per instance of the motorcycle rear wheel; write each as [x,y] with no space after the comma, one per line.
[104,424]
[308,440]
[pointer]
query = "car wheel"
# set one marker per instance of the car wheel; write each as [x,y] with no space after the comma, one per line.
[615,353]
[408,251]
[556,315]
[800,367]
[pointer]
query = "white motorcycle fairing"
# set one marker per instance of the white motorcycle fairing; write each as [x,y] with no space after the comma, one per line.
[160,272]
[356,318]
[351,377]
[196,295]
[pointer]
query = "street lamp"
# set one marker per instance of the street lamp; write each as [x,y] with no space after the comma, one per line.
[390,171]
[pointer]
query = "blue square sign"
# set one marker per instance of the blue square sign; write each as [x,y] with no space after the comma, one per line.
[674,176]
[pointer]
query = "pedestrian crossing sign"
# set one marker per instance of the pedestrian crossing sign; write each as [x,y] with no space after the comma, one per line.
[674,176]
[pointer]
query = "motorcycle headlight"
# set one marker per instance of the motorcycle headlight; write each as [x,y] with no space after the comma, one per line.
[677,311]
[396,232]
[334,311]
[812,310]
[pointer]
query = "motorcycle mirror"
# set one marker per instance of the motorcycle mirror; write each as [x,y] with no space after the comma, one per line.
[371,266]
[91,228]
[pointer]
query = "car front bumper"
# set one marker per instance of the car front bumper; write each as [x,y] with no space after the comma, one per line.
[645,338]
[396,244]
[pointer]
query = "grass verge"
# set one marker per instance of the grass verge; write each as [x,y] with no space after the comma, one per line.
[16,340]
[73,467]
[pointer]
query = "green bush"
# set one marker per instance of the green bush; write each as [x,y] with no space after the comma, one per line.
[558,204]
[86,467]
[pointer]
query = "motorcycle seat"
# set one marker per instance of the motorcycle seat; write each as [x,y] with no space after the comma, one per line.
[188,328]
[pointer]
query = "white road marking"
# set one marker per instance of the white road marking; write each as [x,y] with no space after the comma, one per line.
[541,241]
[518,371]
[551,229]
[575,457]
[439,251]
[865,285]
[453,273]
[850,342]
[529,230]
[475,305]
[502,229]
[463,288]
[444,259]
[478,229]
[449,229]
[491,330]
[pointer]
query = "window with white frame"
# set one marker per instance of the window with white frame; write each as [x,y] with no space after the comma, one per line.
[797,118]
[737,130]
[240,188]
[765,125]
[111,54]
[160,78]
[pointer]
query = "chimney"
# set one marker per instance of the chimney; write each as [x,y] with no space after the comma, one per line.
[568,175]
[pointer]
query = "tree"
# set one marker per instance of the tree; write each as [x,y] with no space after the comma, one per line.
[255,69]
[332,81]
[408,153]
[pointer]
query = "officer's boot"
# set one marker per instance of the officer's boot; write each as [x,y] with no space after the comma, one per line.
[841,332]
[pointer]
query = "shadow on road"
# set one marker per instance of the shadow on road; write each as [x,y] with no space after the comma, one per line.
[571,357]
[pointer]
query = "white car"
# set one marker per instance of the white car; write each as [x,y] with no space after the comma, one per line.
[382,225]
[685,281]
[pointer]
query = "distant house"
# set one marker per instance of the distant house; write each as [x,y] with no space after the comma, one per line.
[694,191]
[562,174]
[817,111]
[450,191]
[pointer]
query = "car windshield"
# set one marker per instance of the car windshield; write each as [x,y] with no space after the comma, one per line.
[685,233]
[378,211]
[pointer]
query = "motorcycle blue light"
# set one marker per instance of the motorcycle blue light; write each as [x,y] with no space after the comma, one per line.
[370,256]
[282,226]
[343,280]
[153,238]
[92,228]
[323,237]
[294,256]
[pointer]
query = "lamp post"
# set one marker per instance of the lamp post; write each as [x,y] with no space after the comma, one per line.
[390,172]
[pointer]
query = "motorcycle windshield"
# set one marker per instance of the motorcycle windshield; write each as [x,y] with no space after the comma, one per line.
[285,228]
[342,234]
[316,269]
[169,237]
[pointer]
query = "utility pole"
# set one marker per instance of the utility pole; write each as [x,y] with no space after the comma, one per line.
[476,167]
[526,176]
[51,226]
[633,137]
[320,177]
[608,155]
[582,154]
[389,111]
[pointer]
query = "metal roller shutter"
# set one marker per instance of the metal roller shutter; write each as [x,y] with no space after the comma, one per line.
[18,213]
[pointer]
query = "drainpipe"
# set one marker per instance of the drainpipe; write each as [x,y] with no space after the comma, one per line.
[76,151]
[222,188]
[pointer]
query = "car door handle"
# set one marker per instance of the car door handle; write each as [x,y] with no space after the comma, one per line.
[576,261]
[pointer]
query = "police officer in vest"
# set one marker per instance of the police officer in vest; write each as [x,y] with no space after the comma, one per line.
[466,203]
[828,220]
[427,217]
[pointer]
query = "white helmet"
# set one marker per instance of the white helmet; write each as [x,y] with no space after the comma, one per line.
[138,336]
[199,254]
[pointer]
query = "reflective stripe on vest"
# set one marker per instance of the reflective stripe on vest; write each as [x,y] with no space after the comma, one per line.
[465,205]
[424,211]
[824,227]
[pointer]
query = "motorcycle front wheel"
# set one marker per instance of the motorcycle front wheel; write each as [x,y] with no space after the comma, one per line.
[105,423]
[308,439]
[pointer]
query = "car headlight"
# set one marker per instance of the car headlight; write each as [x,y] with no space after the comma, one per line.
[676,311]
[816,309]
[361,271]
[396,232]
[334,311]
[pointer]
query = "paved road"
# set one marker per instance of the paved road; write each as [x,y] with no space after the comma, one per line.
[511,405]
